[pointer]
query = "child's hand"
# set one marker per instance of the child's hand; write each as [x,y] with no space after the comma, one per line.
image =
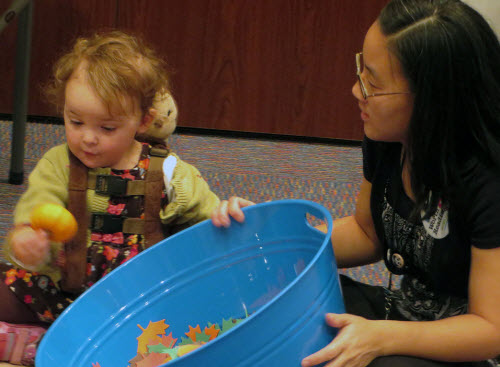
[231,207]
[31,247]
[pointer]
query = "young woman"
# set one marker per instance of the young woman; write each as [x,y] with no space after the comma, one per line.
[428,88]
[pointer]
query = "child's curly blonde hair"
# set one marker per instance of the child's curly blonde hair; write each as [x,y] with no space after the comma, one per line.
[118,65]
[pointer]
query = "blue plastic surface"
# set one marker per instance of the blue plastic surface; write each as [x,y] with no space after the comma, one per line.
[275,266]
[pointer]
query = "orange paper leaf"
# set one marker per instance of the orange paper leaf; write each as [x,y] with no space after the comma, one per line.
[137,358]
[192,332]
[168,340]
[212,332]
[154,360]
[151,333]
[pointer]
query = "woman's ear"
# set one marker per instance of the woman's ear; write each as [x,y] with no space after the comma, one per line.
[147,120]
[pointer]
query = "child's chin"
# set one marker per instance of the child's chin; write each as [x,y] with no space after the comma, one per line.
[91,163]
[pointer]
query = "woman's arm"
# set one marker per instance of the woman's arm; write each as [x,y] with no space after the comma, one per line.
[474,336]
[354,239]
[470,337]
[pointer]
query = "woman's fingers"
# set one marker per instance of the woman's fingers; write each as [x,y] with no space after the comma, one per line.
[339,320]
[328,353]
[333,352]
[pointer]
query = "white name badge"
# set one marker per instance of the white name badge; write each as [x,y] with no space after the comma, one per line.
[437,225]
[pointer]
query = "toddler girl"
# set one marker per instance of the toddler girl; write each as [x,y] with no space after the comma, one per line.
[125,194]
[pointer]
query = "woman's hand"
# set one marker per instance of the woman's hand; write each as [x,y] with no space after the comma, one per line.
[357,343]
[231,207]
[30,247]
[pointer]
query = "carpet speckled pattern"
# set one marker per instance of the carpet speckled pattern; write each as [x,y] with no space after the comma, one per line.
[257,169]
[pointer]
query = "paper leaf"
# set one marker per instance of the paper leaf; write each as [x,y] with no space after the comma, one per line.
[226,325]
[212,332]
[151,333]
[158,348]
[172,352]
[142,345]
[185,341]
[202,338]
[168,341]
[137,358]
[154,360]
[229,324]
[192,332]
[185,349]
[217,327]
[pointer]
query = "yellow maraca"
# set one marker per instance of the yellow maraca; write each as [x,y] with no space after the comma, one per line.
[56,220]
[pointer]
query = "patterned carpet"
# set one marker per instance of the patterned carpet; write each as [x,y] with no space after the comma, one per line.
[257,169]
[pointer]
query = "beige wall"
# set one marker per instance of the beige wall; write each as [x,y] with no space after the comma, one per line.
[490,9]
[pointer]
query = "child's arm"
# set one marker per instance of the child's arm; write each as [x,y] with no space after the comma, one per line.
[47,183]
[190,198]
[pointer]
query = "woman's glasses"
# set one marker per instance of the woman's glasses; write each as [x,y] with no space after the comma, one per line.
[364,91]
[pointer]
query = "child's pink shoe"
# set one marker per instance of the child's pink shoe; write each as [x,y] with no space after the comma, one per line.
[18,343]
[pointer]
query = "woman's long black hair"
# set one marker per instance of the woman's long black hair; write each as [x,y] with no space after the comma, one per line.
[451,58]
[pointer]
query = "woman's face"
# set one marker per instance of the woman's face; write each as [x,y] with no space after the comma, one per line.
[385,117]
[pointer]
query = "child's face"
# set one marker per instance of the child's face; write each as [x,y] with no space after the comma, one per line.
[96,136]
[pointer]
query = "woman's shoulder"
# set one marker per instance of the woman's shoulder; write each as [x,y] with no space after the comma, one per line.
[480,189]
[481,178]
[478,200]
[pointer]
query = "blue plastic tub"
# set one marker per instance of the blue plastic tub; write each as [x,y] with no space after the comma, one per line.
[275,266]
